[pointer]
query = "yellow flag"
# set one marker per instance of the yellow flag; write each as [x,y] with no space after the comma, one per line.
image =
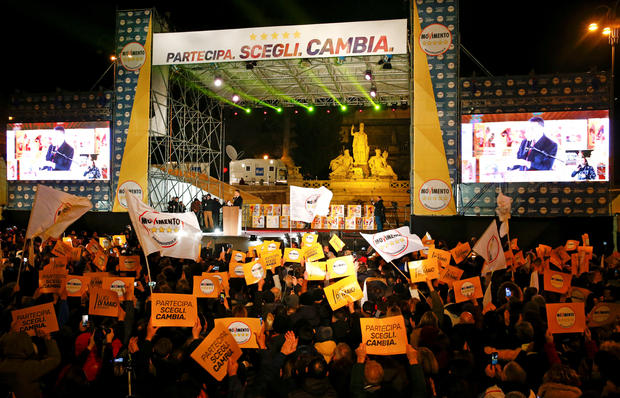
[336,243]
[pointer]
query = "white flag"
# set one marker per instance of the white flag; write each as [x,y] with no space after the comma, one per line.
[488,296]
[172,234]
[394,243]
[309,202]
[53,211]
[503,209]
[489,246]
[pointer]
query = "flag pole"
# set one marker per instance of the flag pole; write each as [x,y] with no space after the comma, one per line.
[148,270]
[19,270]
[398,269]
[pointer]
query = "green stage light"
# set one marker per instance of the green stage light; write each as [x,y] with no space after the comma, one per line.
[279,110]
[343,108]
[311,109]
[377,107]
[248,110]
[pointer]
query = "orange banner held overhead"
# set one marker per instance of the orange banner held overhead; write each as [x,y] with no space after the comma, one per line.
[466,289]
[557,282]
[442,256]
[95,279]
[313,252]
[52,280]
[103,302]
[206,286]
[237,257]
[336,243]
[571,245]
[254,271]
[39,317]
[236,270]
[243,330]
[271,260]
[450,274]
[215,351]
[422,270]
[76,285]
[292,255]
[460,252]
[384,336]
[222,277]
[129,263]
[340,267]
[603,314]
[62,249]
[168,309]
[122,286]
[346,290]
[566,318]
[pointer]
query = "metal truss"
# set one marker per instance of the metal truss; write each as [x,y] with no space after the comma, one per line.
[186,138]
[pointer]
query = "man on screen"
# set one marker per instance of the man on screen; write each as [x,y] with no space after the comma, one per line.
[60,153]
[537,151]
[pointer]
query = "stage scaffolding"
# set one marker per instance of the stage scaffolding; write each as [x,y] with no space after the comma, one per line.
[186,138]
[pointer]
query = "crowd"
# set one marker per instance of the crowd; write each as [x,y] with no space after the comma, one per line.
[305,348]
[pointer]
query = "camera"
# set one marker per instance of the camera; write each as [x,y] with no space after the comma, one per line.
[508,293]
[494,358]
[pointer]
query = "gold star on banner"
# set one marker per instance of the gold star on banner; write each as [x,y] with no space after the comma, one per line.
[274,35]
[176,230]
[153,229]
[263,36]
[169,230]
[252,36]
[297,34]
[162,229]
[285,35]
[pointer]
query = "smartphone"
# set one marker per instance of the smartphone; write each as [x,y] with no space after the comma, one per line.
[119,360]
[84,320]
[152,284]
[508,292]
[494,358]
[135,283]
[222,297]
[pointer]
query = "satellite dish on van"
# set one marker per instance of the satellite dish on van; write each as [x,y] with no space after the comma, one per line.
[231,152]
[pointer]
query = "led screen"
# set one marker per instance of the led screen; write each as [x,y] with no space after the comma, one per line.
[58,151]
[536,147]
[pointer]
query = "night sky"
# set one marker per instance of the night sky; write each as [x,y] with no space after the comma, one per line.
[51,46]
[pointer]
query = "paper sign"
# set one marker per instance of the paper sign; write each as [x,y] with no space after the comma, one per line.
[316,270]
[574,263]
[103,302]
[169,309]
[466,289]
[93,247]
[243,330]
[67,240]
[514,245]
[519,260]
[292,255]
[42,317]
[384,336]
[215,350]
[308,239]
[251,252]
[206,286]
[223,278]
[271,260]
[237,257]
[76,285]
[129,263]
[336,243]
[450,274]
[562,254]
[579,294]
[339,267]
[254,271]
[52,280]
[269,246]
[236,271]
[122,286]
[603,314]
[100,260]
[59,262]
[571,245]
[585,238]
[566,318]
[95,279]
[460,252]
[61,249]
[345,291]
[119,240]
[313,253]
[442,256]
[558,282]
[543,251]
[105,243]
[422,269]
[76,254]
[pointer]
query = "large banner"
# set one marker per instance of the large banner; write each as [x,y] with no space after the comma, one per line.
[432,184]
[133,90]
[282,42]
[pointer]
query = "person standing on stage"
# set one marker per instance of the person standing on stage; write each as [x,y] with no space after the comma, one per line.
[379,213]
[537,151]
[237,199]
[215,211]
[207,208]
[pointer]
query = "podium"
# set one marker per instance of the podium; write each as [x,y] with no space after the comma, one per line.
[232,220]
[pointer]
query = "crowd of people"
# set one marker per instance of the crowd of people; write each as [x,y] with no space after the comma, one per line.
[306,349]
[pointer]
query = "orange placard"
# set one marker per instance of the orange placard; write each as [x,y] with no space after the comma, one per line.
[76,254]
[571,245]
[52,280]
[579,294]
[129,263]
[340,267]
[269,246]
[59,262]
[223,278]
[207,286]
[237,257]
[519,260]
[442,256]
[514,245]
[316,270]
[422,269]
[309,239]
[76,285]
[170,309]
[558,282]
[346,290]
[384,336]
[466,289]
[100,260]
[254,271]
[460,252]
[450,274]
[543,251]
[95,279]
[119,240]
[62,249]
[39,317]
[103,302]
[122,286]
[336,243]
[585,238]
[293,255]
[93,247]
[243,330]
[215,350]
[271,260]
[313,253]
[574,263]
[252,252]
[603,314]
[566,318]
[236,270]
[564,256]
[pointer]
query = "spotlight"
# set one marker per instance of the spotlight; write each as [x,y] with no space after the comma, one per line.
[329,111]
[377,107]
[606,31]
[236,98]
[373,92]
[593,27]
[310,109]
[248,110]
[112,58]
[217,82]
[266,157]
[264,112]
[236,113]
[368,75]
[296,111]
[279,110]
[343,108]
